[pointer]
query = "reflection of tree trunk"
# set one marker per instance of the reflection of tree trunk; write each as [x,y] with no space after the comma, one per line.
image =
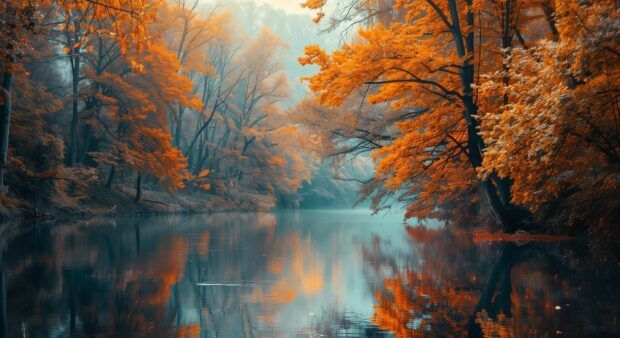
[177,304]
[503,303]
[495,297]
[137,229]
[4,325]
[70,278]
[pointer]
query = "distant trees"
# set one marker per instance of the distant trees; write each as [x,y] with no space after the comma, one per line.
[471,83]
[236,140]
[112,91]
[124,98]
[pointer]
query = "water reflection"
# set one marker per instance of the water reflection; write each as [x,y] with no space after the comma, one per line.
[310,273]
[456,287]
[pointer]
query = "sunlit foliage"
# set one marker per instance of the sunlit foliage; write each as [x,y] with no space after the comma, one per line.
[516,99]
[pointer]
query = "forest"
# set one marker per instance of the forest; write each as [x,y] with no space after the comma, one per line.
[303,168]
[503,112]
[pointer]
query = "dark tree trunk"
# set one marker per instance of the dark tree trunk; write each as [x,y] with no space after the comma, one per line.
[138,189]
[5,119]
[75,67]
[549,12]
[110,181]
[87,143]
[138,242]
[495,189]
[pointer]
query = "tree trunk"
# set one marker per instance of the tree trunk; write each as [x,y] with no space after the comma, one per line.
[87,143]
[5,119]
[138,242]
[75,115]
[549,12]
[178,129]
[138,189]
[491,186]
[110,181]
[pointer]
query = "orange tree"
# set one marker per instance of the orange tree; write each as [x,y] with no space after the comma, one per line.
[132,116]
[21,21]
[558,134]
[450,68]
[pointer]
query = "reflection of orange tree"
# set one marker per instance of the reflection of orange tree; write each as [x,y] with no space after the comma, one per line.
[104,288]
[301,274]
[415,306]
[229,238]
[491,291]
[146,291]
[436,298]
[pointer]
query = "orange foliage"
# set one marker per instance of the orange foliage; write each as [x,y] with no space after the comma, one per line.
[137,104]
[526,124]
[558,133]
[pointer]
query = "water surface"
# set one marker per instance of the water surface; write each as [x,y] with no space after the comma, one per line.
[298,273]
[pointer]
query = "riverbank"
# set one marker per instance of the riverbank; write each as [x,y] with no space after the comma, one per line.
[121,201]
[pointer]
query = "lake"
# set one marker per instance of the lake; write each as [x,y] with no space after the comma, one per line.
[316,273]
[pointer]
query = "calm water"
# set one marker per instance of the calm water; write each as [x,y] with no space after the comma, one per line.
[298,273]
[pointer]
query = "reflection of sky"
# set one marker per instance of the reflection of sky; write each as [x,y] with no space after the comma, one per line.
[314,264]
[337,237]
[331,242]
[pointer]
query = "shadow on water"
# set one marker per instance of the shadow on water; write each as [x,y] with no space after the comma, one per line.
[296,274]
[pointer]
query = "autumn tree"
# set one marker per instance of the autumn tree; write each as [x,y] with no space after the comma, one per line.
[125,22]
[23,20]
[133,117]
[556,134]
[433,64]
[17,20]
[190,33]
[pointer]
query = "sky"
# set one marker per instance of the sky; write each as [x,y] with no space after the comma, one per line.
[291,6]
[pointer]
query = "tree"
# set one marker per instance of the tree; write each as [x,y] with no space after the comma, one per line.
[23,19]
[431,64]
[240,135]
[191,43]
[17,21]
[557,137]
[135,114]
[126,22]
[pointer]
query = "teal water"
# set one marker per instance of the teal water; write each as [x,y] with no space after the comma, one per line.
[298,274]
